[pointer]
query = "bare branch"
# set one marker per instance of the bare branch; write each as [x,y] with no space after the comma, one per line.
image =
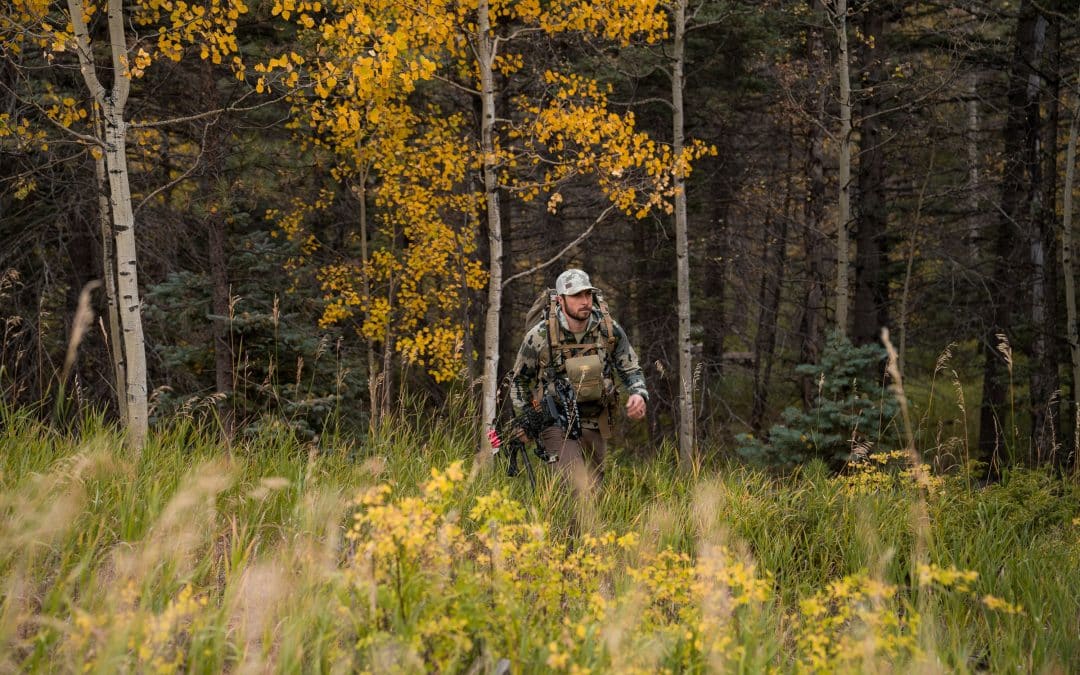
[457,85]
[580,238]
[518,33]
[182,177]
[211,113]
[662,101]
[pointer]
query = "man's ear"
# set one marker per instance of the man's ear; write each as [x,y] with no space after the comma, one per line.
[562,302]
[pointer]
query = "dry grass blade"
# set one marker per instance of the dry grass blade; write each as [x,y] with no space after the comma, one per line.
[1005,348]
[84,318]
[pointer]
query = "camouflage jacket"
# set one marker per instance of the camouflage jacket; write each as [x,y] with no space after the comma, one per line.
[531,371]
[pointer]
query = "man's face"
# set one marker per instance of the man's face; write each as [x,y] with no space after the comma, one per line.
[578,306]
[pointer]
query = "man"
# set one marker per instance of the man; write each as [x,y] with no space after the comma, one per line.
[576,348]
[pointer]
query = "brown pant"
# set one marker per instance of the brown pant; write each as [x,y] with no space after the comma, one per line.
[581,460]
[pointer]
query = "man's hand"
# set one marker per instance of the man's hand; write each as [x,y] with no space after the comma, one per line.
[635,407]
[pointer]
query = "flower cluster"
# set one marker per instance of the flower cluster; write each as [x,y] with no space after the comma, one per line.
[853,620]
[887,471]
[157,640]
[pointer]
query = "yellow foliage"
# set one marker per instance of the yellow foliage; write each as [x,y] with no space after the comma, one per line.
[353,100]
[854,619]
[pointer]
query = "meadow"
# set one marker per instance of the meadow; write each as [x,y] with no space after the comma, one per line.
[408,553]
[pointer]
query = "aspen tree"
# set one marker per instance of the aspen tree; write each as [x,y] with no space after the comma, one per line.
[65,34]
[687,436]
[112,103]
[565,133]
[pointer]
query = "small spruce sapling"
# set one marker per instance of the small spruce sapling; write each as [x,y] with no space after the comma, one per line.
[852,413]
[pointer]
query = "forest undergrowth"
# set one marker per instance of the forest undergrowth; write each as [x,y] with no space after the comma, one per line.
[408,553]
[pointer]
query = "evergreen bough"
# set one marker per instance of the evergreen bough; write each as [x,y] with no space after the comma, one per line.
[851,415]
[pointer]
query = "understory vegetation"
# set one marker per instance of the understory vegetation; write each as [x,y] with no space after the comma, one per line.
[408,553]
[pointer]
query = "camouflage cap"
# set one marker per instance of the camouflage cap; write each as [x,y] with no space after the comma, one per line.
[572,282]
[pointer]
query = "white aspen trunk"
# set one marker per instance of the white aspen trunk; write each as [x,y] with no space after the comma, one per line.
[485,48]
[112,104]
[127,277]
[843,215]
[116,345]
[682,252]
[1069,274]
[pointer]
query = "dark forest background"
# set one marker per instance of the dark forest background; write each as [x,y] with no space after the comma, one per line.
[962,114]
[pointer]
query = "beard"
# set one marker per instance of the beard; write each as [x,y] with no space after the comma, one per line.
[580,314]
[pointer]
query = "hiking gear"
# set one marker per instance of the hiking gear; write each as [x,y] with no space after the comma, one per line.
[586,374]
[579,369]
[532,422]
[551,352]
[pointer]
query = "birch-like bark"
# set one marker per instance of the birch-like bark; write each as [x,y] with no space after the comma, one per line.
[843,212]
[485,52]
[127,277]
[108,261]
[112,104]
[682,249]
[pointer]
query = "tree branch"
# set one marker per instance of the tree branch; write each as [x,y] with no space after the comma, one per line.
[457,85]
[210,113]
[92,140]
[182,177]
[581,237]
[118,46]
[644,101]
[82,48]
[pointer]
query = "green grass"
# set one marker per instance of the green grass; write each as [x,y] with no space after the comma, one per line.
[97,547]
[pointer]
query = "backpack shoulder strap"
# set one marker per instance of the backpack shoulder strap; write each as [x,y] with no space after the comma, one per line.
[608,324]
[555,340]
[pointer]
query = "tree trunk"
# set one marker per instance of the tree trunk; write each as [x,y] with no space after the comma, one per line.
[843,211]
[509,314]
[682,249]
[765,338]
[813,303]
[212,183]
[387,376]
[713,278]
[1070,279]
[360,190]
[974,189]
[127,276]
[1045,382]
[995,427]
[108,258]
[485,45]
[220,326]
[871,251]
[112,104]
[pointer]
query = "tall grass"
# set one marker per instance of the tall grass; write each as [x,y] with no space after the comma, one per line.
[284,556]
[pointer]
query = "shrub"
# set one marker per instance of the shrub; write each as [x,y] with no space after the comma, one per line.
[851,414]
